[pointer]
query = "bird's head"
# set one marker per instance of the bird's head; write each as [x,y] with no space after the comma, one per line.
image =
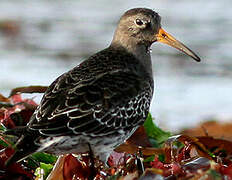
[141,26]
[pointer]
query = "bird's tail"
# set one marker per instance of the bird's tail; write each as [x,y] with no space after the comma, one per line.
[15,131]
[24,146]
[21,154]
[9,137]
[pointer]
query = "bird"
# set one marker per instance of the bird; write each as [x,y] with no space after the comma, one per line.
[99,103]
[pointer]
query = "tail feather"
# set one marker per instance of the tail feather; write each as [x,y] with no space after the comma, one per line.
[25,146]
[15,131]
[16,157]
[11,136]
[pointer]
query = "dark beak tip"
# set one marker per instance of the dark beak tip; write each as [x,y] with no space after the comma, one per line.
[197,59]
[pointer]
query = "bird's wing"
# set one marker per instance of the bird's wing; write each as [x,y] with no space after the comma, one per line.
[92,107]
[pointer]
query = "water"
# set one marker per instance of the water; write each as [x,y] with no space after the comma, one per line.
[51,37]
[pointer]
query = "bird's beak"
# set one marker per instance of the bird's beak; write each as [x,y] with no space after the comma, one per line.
[166,38]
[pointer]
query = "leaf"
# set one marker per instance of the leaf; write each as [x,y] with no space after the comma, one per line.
[3,142]
[116,159]
[166,169]
[149,159]
[212,174]
[4,99]
[132,149]
[139,141]
[75,168]
[57,172]
[139,138]
[28,89]
[196,164]
[216,146]
[44,158]
[13,171]
[157,135]
[130,176]
[39,174]
[151,173]
[17,98]
[114,177]
[18,113]
[43,171]
[47,168]
[226,170]
[220,130]
[191,143]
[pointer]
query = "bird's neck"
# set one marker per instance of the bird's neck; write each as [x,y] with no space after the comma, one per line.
[141,52]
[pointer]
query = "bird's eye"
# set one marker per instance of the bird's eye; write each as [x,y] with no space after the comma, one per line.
[139,22]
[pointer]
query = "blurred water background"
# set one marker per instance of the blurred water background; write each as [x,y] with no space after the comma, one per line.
[39,40]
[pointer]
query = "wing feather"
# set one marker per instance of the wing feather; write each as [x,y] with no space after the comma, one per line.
[94,106]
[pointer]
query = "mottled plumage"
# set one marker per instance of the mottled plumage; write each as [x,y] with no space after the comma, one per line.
[102,101]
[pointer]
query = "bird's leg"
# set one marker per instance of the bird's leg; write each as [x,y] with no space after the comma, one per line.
[92,167]
[139,161]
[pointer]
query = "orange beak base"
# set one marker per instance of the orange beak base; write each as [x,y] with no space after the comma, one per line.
[166,38]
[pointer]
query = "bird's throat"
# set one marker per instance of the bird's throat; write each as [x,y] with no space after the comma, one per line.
[140,52]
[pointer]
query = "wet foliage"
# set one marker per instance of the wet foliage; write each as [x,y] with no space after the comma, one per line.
[150,153]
